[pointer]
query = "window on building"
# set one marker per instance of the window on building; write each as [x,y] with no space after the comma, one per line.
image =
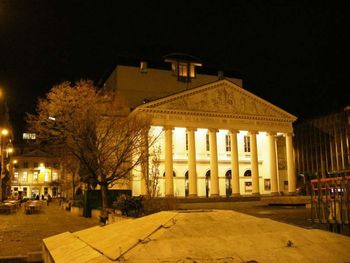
[47,165]
[15,189]
[56,165]
[29,136]
[35,176]
[24,176]
[248,173]
[36,165]
[54,176]
[267,184]
[16,165]
[186,141]
[207,145]
[46,177]
[228,143]
[25,164]
[15,176]
[46,190]
[285,185]
[24,192]
[247,144]
[248,186]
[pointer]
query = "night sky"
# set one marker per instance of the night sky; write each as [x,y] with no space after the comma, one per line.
[294,55]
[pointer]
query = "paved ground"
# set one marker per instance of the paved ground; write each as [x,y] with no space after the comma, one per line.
[21,233]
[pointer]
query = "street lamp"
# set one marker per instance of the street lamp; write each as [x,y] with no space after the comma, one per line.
[4,133]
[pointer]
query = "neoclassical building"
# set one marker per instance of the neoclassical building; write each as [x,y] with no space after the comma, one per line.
[215,137]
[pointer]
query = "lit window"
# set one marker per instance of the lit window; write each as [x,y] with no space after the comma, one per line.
[247,144]
[228,143]
[29,136]
[46,177]
[15,176]
[54,176]
[207,145]
[35,176]
[24,177]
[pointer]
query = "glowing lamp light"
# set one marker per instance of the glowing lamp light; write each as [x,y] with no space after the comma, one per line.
[14,161]
[4,132]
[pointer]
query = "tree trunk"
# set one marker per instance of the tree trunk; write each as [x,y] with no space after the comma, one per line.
[104,197]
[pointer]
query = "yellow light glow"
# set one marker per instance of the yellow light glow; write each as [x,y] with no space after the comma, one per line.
[4,132]
[15,161]
[10,150]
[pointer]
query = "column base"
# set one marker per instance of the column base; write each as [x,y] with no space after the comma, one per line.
[169,196]
[192,195]
[292,193]
[255,194]
[214,195]
[236,195]
[275,193]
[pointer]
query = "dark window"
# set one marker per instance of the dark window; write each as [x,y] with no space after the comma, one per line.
[228,143]
[248,173]
[25,165]
[36,165]
[207,145]
[56,165]
[247,144]
[267,184]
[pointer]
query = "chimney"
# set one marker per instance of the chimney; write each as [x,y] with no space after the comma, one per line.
[220,75]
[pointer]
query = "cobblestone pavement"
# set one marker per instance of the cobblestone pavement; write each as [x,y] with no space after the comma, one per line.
[21,234]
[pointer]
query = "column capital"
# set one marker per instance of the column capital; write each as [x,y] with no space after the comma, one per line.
[191,129]
[167,127]
[253,132]
[271,133]
[233,131]
[286,134]
[213,130]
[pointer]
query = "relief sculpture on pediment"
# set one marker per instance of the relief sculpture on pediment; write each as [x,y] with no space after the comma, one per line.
[221,99]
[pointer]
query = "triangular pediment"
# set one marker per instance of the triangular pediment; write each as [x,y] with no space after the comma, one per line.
[220,98]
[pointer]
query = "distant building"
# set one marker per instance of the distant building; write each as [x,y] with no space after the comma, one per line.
[35,173]
[217,138]
[322,145]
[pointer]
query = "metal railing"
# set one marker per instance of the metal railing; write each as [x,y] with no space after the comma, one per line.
[330,203]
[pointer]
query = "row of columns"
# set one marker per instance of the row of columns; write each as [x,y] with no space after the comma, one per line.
[192,171]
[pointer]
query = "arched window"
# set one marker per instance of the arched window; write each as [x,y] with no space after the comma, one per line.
[207,183]
[248,173]
[228,185]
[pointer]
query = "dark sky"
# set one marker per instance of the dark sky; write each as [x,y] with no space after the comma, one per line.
[290,53]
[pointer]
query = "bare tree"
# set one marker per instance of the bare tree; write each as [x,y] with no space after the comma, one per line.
[151,176]
[89,124]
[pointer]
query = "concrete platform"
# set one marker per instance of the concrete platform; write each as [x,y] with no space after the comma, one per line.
[200,236]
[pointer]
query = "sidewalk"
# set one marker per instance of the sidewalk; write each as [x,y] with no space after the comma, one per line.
[21,234]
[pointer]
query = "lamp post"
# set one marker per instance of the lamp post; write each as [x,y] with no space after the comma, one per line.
[4,133]
[8,150]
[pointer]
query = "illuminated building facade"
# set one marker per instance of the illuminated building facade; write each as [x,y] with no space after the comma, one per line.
[35,173]
[216,138]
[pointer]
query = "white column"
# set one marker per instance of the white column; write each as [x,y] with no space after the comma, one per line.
[273,163]
[214,177]
[169,180]
[254,162]
[192,172]
[234,163]
[290,164]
